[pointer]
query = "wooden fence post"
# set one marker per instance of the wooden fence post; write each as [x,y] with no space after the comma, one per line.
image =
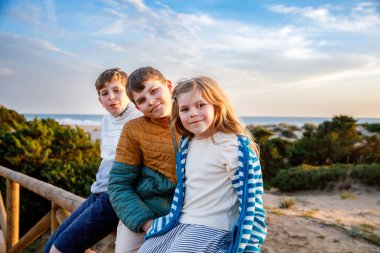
[13,213]
[3,215]
[54,222]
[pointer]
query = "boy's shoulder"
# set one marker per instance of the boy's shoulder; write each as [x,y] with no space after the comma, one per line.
[144,126]
[137,125]
[146,121]
[140,121]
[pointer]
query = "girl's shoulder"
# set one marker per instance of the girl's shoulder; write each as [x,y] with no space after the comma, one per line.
[226,141]
[220,137]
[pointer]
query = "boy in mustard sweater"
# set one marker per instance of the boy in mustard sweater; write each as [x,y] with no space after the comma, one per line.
[143,177]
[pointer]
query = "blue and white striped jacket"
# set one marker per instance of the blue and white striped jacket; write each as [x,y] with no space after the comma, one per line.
[250,230]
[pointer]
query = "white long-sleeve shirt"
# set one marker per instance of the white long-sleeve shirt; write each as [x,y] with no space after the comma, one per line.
[210,199]
[110,132]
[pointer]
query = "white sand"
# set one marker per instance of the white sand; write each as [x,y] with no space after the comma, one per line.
[322,221]
[94,131]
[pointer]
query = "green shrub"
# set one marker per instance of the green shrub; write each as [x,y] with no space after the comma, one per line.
[287,203]
[347,195]
[372,127]
[308,177]
[367,174]
[57,154]
[314,178]
[10,120]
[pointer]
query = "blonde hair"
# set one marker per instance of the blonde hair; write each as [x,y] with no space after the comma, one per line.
[225,119]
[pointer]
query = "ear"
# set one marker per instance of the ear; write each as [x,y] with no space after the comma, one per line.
[170,85]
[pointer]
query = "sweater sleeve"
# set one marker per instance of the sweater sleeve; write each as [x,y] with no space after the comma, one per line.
[229,152]
[130,209]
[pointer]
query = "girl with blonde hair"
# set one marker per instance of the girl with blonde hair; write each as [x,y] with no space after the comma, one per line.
[217,206]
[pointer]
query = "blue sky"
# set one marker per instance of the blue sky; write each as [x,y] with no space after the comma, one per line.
[273,58]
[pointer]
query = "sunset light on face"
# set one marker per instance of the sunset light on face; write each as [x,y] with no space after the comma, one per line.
[273,58]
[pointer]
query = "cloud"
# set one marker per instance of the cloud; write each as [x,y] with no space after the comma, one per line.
[359,18]
[245,58]
[112,46]
[139,4]
[5,71]
[38,43]
[236,51]
[39,17]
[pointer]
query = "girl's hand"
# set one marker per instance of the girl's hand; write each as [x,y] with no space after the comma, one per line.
[146,226]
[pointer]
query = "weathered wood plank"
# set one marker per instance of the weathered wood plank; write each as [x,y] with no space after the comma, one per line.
[36,231]
[63,198]
[3,215]
[13,217]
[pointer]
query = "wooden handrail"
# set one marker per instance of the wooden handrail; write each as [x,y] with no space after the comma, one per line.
[65,199]
[62,203]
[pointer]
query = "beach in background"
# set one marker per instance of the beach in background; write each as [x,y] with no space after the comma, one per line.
[91,122]
[95,119]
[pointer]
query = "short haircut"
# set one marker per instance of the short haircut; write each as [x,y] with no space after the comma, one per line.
[141,75]
[109,76]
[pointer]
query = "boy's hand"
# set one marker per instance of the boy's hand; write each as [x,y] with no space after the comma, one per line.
[146,226]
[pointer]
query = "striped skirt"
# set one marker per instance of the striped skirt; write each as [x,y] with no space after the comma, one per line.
[189,238]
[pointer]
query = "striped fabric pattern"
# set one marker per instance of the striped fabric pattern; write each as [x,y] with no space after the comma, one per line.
[189,238]
[250,230]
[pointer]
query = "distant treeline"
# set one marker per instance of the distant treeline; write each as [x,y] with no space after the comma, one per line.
[328,146]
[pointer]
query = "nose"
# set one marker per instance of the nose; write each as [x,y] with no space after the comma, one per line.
[194,113]
[112,96]
[151,100]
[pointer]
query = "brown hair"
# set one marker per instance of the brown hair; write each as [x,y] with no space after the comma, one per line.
[225,119]
[141,75]
[109,76]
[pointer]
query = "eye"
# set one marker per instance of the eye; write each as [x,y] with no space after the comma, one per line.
[104,93]
[116,90]
[153,91]
[201,105]
[185,109]
[140,101]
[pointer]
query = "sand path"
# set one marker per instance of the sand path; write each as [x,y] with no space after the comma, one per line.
[323,222]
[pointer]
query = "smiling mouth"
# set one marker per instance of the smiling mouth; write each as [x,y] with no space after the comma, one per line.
[154,108]
[194,122]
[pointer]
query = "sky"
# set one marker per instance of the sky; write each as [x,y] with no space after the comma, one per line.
[272,58]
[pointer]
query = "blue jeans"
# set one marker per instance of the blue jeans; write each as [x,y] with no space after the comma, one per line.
[87,225]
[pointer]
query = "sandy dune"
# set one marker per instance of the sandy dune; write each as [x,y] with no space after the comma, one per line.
[323,222]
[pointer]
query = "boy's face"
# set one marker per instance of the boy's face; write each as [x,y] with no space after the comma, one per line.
[113,98]
[154,101]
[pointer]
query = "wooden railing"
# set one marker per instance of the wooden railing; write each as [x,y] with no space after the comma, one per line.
[62,203]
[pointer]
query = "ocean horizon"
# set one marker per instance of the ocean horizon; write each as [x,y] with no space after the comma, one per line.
[95,119]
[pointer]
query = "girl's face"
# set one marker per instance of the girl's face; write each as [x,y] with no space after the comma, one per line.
[196,113]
